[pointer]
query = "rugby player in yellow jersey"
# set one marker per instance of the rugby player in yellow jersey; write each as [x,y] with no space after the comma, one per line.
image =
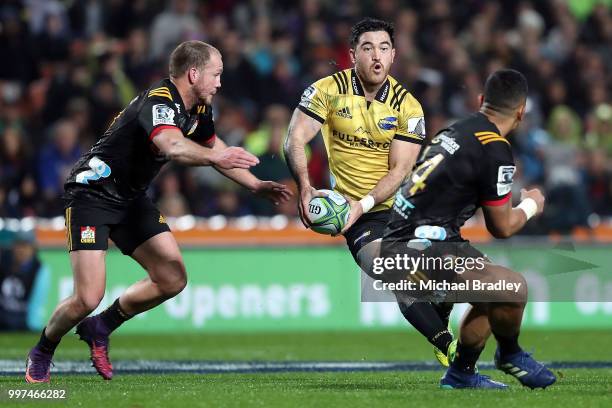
[373,129]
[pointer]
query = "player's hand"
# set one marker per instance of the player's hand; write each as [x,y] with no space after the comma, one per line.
[275,192]
[234,158]
[536,195]
[307,194]
[354,214]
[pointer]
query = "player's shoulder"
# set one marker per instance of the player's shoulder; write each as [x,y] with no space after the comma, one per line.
[335,84]
[162,90]
[400,98]
[487,135]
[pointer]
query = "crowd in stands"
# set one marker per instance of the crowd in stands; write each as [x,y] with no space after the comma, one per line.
[69,66]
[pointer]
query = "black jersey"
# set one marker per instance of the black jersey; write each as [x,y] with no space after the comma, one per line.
[124,161]
[464,166]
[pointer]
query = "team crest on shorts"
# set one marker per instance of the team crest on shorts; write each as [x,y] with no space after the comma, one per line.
[88,235]
[162,219]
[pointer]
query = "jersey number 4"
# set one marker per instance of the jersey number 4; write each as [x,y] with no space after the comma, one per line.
[420,174]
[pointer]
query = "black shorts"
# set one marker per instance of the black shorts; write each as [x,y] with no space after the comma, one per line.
[438,261]
[90,222]
[369,227]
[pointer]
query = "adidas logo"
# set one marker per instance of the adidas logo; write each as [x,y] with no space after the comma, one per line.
[345,113]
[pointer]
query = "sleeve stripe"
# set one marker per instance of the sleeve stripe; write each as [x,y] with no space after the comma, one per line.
[496,203]
[158,129]
[311,114]
[411,139]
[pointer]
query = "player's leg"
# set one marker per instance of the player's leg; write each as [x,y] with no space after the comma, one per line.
[432,323]
[505,320]
[87,244]
[89,284]
[473,333]
[504,314]
[146,238]
[161,258]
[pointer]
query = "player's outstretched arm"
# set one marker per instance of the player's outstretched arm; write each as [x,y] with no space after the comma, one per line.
[177,147]
[302,129]
[504,221]
[402,156]
[275,192]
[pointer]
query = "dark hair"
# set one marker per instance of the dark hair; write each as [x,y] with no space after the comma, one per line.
[370,24]
[505,90]
[189,54]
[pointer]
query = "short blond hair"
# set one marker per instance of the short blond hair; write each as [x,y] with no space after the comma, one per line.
[189,54]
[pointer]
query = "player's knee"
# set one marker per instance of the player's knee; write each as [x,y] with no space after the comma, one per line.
[87,303]
[177,278]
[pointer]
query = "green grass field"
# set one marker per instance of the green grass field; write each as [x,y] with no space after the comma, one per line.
[575,387]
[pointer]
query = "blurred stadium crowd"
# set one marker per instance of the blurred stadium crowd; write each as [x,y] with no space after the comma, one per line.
[70,66]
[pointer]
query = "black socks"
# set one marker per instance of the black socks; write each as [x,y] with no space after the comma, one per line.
[45,344]
[507,345]
[113,316]
[465,358]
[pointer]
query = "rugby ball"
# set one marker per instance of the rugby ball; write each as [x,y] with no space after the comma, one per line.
[328,215]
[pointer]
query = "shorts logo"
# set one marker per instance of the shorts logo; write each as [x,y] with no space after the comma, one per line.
[88,235]
[163,115]
[388,123]
[162,219]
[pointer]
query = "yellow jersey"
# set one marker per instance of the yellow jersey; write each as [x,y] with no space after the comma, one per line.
[357,133]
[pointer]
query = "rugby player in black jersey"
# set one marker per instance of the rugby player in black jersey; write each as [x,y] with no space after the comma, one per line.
[467,166]
[105,198]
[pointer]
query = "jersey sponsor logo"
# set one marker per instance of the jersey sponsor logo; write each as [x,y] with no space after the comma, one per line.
[345,113]
[99,170]
[388,123]
[88,235]
[307,96]
[505,175]
[402,206]
[163,115]
[353,140]
[447,143]
[416,126]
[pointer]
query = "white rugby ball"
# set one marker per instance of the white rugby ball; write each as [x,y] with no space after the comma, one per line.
[328,215]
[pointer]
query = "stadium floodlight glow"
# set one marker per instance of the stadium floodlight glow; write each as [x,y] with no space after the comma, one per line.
[13,224]
[279,222]
[57,223]
[217,222]
[186,222]
[28,223]
[247,222]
